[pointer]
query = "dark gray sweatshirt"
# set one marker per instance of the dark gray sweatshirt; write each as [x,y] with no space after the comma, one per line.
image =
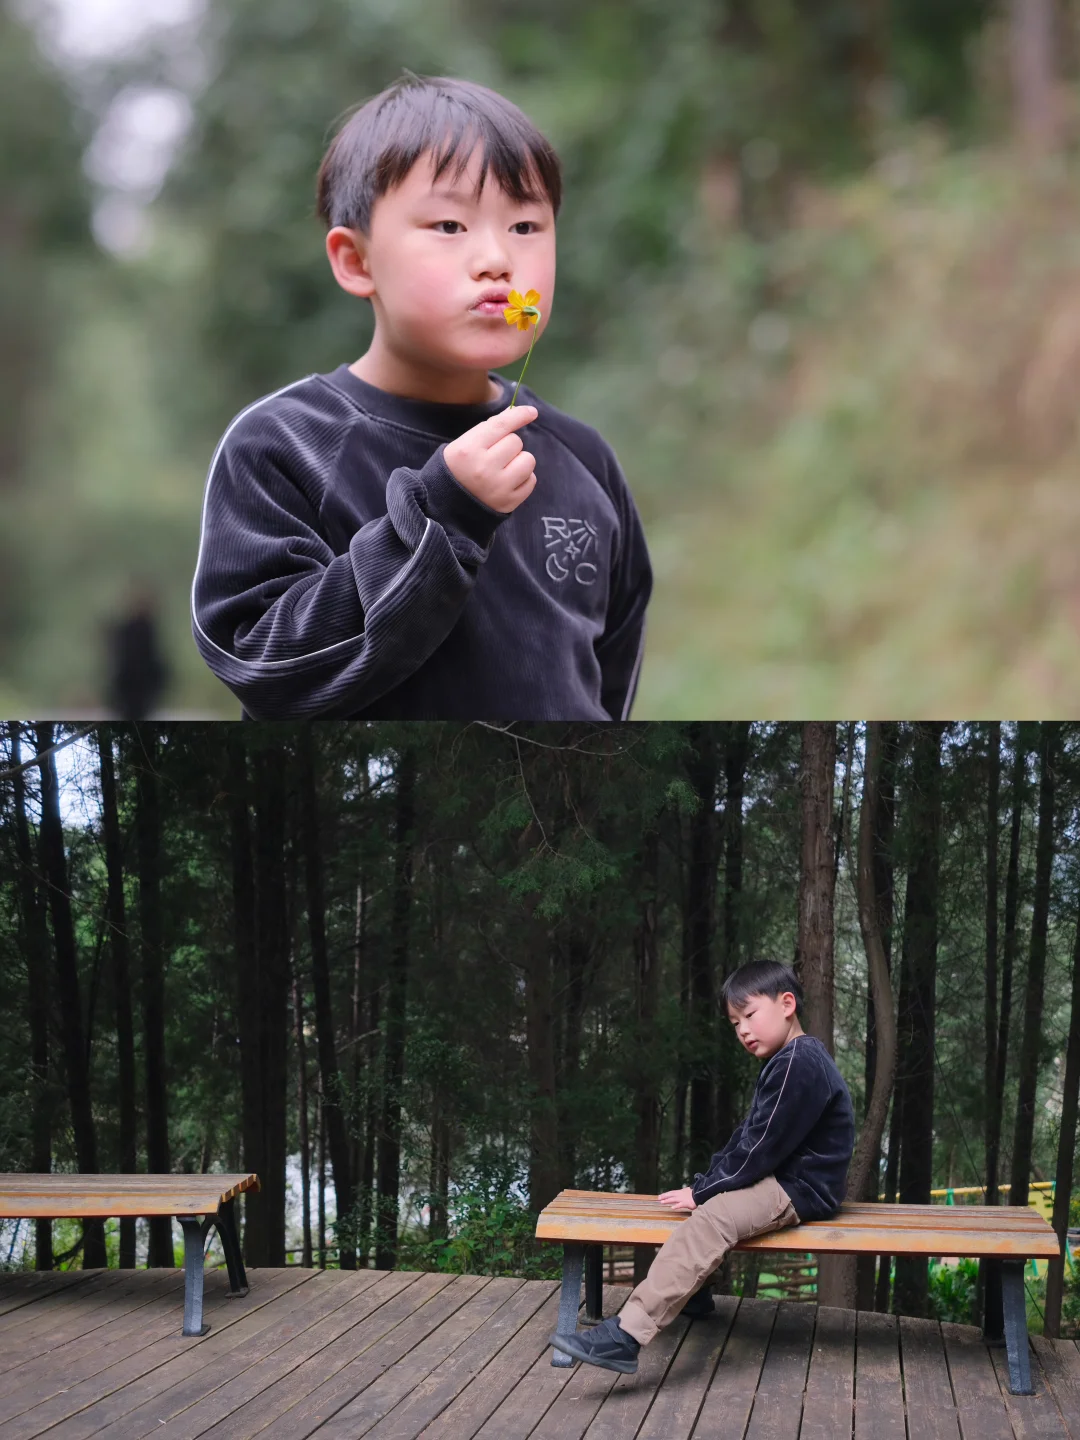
[344,573]
[801,1128]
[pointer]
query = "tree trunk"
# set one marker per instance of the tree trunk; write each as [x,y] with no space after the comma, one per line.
[1066,1155]
[736,760]
[127,1104]
[539,1039]
[568,1065]
[248,989]
[918,985]
[272,942]
[1034,74]
[34,942]
[76,1058]
[867,1266]
[1008,954]
[840,1276]
[1033,998]
[148,833]
[814,945]
[697,937]
[389,1142]
[992,1128]
[332,1088]
[302,1117]
[646,1070]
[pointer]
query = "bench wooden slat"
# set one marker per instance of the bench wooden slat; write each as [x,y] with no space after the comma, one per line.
[28,1196]
[865,1228]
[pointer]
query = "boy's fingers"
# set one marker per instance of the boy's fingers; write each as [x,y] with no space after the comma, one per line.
[508,420]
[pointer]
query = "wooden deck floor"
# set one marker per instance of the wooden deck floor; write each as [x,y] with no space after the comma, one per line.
[402,1354]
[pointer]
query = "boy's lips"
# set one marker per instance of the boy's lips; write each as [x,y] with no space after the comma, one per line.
[492,302]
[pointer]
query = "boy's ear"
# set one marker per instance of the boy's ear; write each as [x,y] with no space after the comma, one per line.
[789,1009]
[347,253]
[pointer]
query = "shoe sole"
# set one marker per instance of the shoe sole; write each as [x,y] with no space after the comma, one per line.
[569,1345]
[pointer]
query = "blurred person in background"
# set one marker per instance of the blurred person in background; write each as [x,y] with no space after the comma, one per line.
[136,670]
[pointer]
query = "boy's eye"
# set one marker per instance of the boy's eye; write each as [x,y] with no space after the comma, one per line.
[520,223]
[447,222]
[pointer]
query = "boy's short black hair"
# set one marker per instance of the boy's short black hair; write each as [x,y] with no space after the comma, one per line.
[382,140]
[761,977]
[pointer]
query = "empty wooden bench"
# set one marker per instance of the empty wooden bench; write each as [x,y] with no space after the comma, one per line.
[1006,1235]
[197,1201]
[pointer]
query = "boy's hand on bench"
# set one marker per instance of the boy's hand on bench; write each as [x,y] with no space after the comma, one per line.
[678,1199]
[490,460]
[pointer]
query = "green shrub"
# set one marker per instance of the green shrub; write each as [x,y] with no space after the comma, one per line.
[952,1290]
[488,1235]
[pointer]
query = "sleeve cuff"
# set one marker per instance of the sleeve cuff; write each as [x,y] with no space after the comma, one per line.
[454,507]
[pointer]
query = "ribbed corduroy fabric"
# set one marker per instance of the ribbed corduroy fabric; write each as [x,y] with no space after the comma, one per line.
[343,573]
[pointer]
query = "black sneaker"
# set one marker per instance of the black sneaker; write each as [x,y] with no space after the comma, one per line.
[607,1345]
[700,1304]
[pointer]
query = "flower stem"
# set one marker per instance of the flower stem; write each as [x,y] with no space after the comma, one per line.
[521,377]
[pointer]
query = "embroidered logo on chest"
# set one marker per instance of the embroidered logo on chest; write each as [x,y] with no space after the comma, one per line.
[572,549]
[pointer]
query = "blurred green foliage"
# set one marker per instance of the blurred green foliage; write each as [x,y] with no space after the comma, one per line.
[823,313]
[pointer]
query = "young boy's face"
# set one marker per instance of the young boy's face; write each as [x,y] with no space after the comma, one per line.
[435,249]
[763,1024]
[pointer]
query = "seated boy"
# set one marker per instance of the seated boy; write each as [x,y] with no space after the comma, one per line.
[786,1162]
[371,545]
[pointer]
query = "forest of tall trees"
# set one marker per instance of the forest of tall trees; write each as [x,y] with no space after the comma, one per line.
[436,966]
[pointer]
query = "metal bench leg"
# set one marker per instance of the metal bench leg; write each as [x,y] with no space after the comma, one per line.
[1016,1331]
[993,1314]
[230,1243]
[569,1297]
[195,1230]
[594,1284]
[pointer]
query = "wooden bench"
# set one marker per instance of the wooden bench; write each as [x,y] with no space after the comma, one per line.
[197,1201]
[1006,1235]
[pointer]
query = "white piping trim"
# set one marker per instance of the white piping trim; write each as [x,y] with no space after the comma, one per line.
[768,1122]
[631,690]
[311,654]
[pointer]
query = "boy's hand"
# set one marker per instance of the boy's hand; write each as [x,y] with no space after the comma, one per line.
[490,460]
[679,1199]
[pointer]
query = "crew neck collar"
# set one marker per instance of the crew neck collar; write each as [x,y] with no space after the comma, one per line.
[435,417]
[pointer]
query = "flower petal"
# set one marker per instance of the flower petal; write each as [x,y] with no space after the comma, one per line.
[532,298]
[515,298]
[523,323]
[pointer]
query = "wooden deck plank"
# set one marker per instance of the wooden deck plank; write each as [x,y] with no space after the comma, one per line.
[473,1405]
[52,1316]
[829,1402]
[403,1399]
[29,1287]
[879,1394]
[627,1401]
[980,1408]
[725,1412]
[162,1394]
[674,1412]
[130,1354]
[297,1403]
[931,1408]
[1033,1417]
[269,1388]
[777,1410]
[1059,1362]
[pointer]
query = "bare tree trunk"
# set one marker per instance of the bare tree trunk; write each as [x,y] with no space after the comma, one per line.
[1010,940]
[539,1039]
[333,1109]
[862,1177]
[993,1120]
[736,760]
[272,950]
[76,1057]
[148,832]
[697,938]
[35,946]
[814,946]
[389,1143]
[1033,999]
[1034,74]
[121,968]
[302,1116]
[918,1001]
[646,1071]
[248,989]
[322,1179]
[1066,1156]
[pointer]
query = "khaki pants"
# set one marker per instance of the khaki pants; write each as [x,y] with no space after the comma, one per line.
[693,1251]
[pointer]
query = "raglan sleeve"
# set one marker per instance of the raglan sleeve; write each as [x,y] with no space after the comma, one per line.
[621,647]
[297,631]
[790,1097]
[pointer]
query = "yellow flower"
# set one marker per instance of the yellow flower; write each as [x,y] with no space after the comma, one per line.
[522,310]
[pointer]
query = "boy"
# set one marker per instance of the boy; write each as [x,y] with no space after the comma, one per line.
[786,1162]
[370,544]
